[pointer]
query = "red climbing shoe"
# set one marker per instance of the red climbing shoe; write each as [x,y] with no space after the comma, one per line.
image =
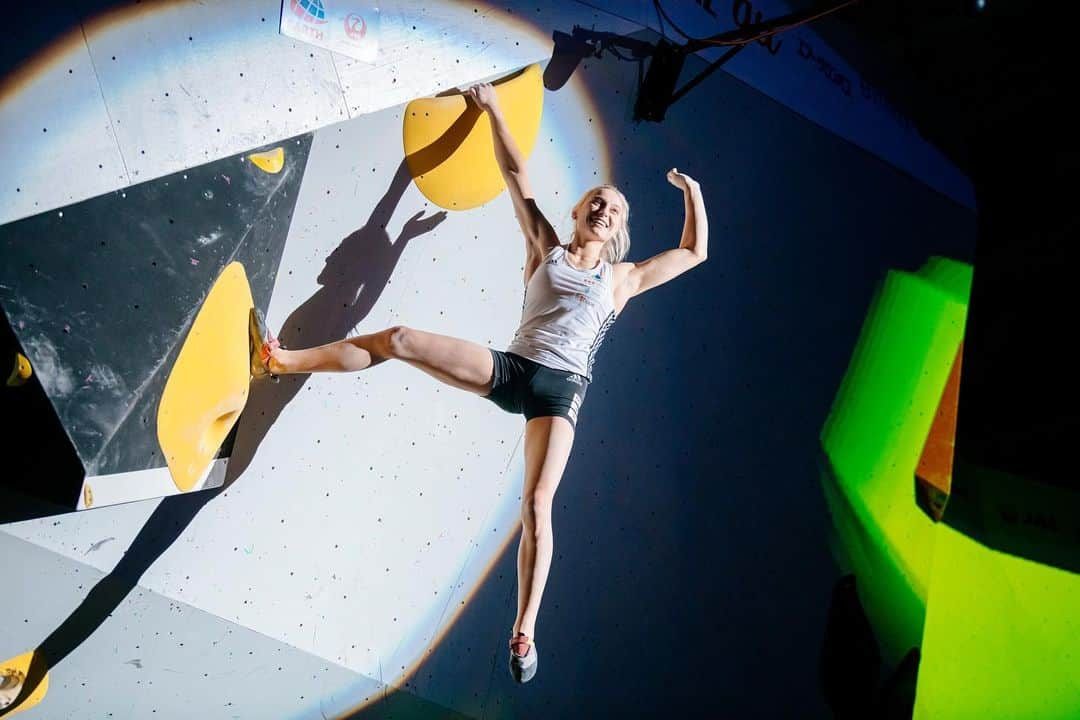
[260,344]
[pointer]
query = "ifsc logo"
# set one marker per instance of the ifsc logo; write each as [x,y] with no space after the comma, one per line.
[311,12]
[308,17]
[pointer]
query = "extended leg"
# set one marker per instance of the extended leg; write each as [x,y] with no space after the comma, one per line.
[460,363]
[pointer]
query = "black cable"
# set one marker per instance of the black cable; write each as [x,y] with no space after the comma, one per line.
[782,28]
[660,20]
[660,10]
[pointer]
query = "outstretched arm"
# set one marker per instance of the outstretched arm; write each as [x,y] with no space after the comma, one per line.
[635,278]
[539,235]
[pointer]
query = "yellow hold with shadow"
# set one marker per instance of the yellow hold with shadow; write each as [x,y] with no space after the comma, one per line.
[448,144]
[208,385]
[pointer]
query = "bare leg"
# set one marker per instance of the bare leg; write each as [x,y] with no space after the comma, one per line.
[460,363]
[347,355]
[547,447]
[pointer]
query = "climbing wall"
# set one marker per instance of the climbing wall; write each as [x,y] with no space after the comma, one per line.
[102,295]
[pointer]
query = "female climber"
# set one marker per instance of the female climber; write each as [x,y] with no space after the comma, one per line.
[573,293]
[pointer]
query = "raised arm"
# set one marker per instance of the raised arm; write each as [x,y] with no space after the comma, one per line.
[539,235]
[635,278]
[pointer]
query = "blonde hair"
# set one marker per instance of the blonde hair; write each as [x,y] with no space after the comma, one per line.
[618,247]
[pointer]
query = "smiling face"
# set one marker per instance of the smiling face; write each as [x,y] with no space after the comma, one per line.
[600,214]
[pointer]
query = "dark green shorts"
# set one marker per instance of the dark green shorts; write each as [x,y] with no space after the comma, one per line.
[522,386]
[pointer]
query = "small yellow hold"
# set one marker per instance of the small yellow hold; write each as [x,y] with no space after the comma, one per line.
[88,496]
[13,674]
[21,372]
[270,161]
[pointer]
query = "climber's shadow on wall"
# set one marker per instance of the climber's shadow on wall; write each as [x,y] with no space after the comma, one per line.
[168,521]
[353,278]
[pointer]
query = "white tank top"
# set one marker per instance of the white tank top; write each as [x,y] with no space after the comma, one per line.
[566,314]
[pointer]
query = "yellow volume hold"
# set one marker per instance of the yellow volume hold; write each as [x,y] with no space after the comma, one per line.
[208,385]
[448,144]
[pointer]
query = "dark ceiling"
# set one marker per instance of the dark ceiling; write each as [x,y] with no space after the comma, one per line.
[975,82]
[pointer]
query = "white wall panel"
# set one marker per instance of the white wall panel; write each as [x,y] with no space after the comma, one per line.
[427,48]
[56,137]
[215,79]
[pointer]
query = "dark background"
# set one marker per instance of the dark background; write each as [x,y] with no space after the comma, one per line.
[990,88]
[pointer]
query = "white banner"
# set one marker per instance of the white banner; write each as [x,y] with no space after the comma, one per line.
[349,27]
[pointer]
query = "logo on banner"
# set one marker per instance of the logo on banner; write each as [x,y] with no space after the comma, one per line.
[350,28]
[309,11]
[355,27]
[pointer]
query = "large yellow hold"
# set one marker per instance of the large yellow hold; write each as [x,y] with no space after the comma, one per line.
[208,385]
[448,144]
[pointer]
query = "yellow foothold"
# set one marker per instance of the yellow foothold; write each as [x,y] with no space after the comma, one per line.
[13,674]
[209,382]
[270,161]
[21,372]
[88,496]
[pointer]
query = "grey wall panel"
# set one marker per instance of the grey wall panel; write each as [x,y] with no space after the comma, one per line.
[150,656]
